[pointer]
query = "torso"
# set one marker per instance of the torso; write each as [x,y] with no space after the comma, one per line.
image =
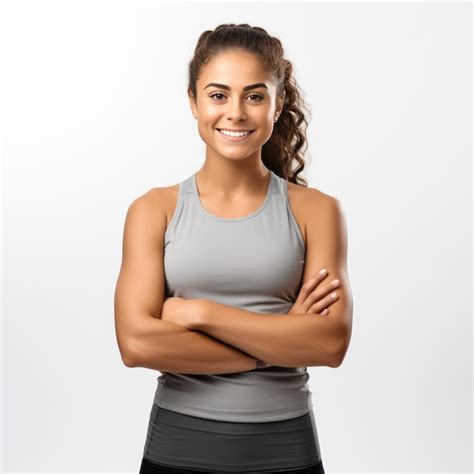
[301,199]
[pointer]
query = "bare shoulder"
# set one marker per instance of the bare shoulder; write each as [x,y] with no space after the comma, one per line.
[162,200]
[309,205]
[305,195]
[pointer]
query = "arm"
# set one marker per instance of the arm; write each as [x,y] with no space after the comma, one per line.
[170,347]
[296,340]
[285,340]
[145,340]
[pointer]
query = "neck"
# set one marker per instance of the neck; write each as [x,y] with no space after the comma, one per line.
[232,180]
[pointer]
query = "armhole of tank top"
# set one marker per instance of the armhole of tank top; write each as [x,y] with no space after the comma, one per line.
[177,210]
[292,216]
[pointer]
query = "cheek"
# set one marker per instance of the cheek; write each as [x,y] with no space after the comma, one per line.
[210,118]
[266,119]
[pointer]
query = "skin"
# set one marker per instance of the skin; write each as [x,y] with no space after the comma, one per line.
[233,180]
[233,177]
[313,298]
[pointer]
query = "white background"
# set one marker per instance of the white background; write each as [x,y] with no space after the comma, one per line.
[95,113]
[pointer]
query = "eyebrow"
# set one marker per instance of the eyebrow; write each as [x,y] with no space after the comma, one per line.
[246,88]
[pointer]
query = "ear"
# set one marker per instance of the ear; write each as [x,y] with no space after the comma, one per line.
[279,103]
[192,103]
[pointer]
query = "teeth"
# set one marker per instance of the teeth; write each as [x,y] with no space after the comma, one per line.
[234,134]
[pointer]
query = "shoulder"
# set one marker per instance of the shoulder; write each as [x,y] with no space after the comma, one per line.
[313,208]
[158,202]
[310,199]
[147,213]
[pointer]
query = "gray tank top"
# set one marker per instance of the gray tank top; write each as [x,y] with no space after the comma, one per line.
[254,263]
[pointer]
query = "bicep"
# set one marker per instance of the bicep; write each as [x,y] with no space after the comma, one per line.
[139,291]
[326,247]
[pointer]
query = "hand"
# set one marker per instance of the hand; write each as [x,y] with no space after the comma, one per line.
[311,301]
[315,298]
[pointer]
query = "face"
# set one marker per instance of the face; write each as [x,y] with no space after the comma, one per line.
[234,92]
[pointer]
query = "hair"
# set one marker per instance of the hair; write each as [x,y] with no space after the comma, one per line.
[287,143]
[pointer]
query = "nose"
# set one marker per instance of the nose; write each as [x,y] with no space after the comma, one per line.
[236,110]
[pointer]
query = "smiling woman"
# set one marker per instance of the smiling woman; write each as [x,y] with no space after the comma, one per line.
[217,287]
[239,80]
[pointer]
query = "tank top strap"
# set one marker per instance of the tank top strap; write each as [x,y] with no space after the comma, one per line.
[286,208]
[281,186]
[184,188]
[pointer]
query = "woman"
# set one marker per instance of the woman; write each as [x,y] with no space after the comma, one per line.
[220,286]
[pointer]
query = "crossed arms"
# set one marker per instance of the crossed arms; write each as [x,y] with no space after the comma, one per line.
[229,339]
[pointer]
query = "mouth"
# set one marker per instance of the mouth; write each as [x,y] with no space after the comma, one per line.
[234,135]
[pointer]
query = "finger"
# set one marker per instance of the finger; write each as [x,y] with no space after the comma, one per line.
[324,312]
[319,293]
[309,286]
[324,303]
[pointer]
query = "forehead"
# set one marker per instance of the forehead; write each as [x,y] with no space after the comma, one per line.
[234,68]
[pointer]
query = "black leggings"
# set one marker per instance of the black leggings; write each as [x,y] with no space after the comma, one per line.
[149,467]
[182,443]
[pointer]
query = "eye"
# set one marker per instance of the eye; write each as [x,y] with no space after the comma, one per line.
[215,93]
[256,95]
[260,98]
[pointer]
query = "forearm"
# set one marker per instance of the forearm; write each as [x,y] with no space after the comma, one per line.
[285,340]
[169,347]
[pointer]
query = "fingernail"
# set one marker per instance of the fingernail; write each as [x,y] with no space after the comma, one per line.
[323,271]
[333,295]
[335,281]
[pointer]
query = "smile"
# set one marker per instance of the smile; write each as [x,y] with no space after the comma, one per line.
[234,136]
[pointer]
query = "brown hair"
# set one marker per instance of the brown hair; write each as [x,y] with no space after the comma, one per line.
[289,132]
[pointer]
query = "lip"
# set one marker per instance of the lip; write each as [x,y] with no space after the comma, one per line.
[234,139]
[235,129]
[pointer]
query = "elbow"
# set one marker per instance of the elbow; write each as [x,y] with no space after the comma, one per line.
[335,362]
[129,361]
[129,355]
[342,341]
[340,352]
